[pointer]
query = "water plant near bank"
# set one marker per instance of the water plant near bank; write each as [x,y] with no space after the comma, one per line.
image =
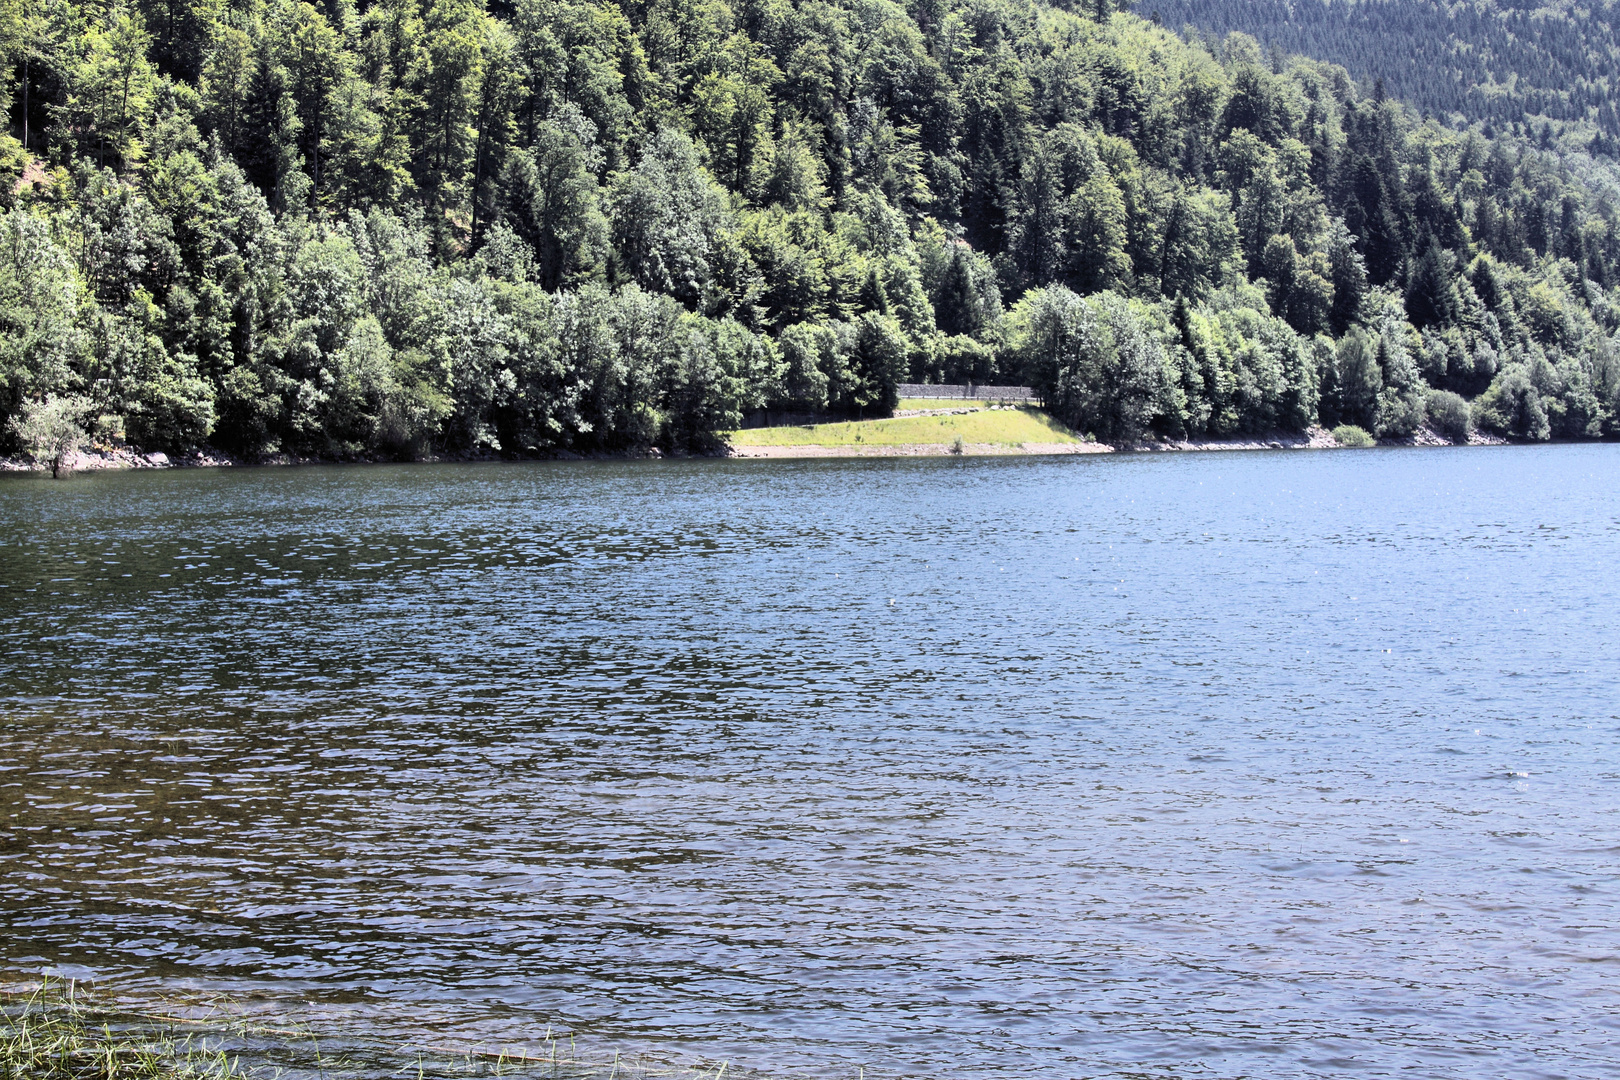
[57,1032]
[63,1030]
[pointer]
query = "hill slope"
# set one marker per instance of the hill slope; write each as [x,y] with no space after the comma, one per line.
[1508,64]
[593,225]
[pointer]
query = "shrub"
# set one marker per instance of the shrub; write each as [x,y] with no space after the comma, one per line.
[1399,413]
[1450,415]
[51,430]
[1095,361]
[1513,407]
[172,409]
[1350,435]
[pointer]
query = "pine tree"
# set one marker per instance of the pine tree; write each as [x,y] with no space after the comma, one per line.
[958,309]
[873,297]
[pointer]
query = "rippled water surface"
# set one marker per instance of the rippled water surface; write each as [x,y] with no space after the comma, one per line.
[1196,765]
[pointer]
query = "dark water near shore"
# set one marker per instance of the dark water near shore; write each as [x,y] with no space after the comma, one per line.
[1195,765]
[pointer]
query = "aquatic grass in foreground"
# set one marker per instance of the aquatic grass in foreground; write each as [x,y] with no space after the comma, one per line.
[55,1032]
[66,1031]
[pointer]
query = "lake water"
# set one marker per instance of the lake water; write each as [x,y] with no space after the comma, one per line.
[1187,765]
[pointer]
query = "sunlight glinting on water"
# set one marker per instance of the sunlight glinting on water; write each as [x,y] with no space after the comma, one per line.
[1280,764]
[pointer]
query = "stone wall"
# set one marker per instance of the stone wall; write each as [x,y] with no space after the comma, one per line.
[968,392]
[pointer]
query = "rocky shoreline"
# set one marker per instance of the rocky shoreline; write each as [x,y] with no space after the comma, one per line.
[121,456]
[118,456]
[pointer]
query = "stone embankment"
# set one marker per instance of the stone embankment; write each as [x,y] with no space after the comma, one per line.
[968,392]
[952,412]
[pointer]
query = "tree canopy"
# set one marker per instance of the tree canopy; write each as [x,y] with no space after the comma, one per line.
[413,226]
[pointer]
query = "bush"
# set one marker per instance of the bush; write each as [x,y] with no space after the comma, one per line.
[173,410]
[1513,407]
[1450,415]
[961,359]
[51,430]
[42,308]
[1095,361]
[1399,413]
[1350,435]
[1351,380]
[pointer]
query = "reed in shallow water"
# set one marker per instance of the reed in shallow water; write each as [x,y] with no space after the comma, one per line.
[56,1033]
[64,1031]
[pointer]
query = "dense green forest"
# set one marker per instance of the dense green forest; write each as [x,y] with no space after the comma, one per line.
[1548,69]
[432,226]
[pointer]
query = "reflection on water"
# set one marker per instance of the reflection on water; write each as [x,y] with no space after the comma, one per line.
[1188,765]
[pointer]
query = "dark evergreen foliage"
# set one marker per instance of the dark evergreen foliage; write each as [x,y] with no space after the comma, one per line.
[1546,65]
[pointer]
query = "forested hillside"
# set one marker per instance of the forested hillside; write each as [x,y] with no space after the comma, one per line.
[407,227]
[1546,68]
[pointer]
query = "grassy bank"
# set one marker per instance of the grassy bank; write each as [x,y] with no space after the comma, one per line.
[996,427]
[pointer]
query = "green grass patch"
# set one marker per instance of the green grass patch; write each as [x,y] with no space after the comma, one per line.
[1006,427]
